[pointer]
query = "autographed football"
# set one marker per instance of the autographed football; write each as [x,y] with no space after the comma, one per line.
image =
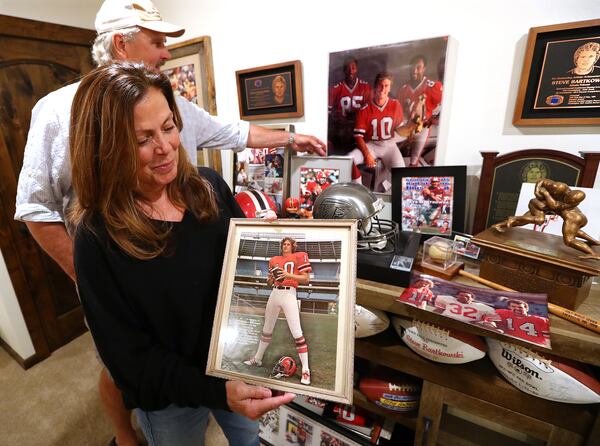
[369,321]
[544,375]
[439,344]
[394,391]
[277,273]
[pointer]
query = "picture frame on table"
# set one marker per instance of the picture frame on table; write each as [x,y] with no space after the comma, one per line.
[560,79]
[271,91]
[310,175]
[265,170]
[429,200]
[322,313]
[191,73]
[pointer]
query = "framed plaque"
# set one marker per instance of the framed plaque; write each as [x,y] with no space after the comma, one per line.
[192,77]
[271,91]
[560,80]
[502,176]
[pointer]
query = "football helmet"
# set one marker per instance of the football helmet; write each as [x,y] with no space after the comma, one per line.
[355,201]
[255,204]
[285,367]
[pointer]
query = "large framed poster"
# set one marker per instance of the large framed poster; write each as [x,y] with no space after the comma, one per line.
[560,81]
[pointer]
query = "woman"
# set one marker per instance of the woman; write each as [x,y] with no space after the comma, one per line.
[149,247]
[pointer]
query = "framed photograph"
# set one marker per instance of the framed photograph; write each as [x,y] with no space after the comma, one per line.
[192,76]
[522,316]
[271,92]
[399,124]
[430,200]
[464,247]
[560,80]
[266,170]
[285,311]
[310,175]
[501,178]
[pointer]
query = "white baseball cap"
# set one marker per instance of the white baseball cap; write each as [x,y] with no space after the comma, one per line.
[118,14]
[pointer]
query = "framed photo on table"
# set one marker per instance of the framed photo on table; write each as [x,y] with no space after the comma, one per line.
[560,80]
[191,73]
[286,307]
[266,170]
[429,200]
[271,92]
[310,175]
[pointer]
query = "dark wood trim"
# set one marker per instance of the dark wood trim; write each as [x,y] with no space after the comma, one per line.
[25,363]
[33,29]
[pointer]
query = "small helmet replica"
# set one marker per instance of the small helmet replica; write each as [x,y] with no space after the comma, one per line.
[355,201]
[285,367]
[255,204]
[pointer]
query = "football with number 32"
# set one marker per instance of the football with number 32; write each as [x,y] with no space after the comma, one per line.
[544,375]
[439,344]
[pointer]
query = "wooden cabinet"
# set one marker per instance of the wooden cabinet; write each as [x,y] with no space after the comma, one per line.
[477,388]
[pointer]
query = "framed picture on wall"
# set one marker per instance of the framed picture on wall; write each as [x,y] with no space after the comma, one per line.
[191,73]
[266,170]
[271,92]
[310,265]
[430,200]
[310,175]
[560,80]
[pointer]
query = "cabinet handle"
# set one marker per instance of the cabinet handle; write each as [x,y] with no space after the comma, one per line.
[426,426]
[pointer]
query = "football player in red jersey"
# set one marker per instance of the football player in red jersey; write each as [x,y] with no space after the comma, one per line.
[518,323]
[421,98]
[433,195]
[286,272]
[345,99]
[464,308]
[418,294]
[375,134]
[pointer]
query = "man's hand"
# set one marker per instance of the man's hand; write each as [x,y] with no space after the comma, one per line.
[253,401]
[260,137]
[370,162]
[309,144]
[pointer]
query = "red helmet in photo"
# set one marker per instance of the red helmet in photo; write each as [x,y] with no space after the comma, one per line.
[285,367]
[292,204]
[255,204]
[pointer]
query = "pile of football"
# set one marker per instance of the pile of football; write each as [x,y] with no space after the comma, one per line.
[439,344]
[543,375]
[369,321]
[391,390]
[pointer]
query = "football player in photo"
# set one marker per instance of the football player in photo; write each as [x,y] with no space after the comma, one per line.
[421,98]
[286,272]
[464,308]
[516,321]
[376,134]
[418,294]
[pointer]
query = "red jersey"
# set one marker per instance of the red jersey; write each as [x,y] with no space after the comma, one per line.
[530,328]
[434,193]
[409,96]
[419,297]
[295,263]
[349,100]
[375,123]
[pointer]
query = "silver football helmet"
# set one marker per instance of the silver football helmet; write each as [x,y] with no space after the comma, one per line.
[355,201]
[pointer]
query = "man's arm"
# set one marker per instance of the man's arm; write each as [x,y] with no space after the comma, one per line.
[302,278]
[53,238]
[259,137]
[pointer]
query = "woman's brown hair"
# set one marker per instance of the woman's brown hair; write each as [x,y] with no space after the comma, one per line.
[104,159]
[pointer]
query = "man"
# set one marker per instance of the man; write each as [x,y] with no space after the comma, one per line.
[516,321]
[464,309]
[345,99]
[418,294]
[421,98]
[376,134]
[126,31]
[286,272]
[433,200]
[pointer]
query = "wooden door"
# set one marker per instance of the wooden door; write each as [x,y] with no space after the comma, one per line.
[35,59]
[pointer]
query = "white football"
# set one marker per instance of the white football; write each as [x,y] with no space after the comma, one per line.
[369,321]
[439,344]
[543,375]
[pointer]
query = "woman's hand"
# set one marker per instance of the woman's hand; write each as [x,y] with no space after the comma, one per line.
[253,401]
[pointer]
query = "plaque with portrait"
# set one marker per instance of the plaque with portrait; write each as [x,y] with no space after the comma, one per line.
[560,81]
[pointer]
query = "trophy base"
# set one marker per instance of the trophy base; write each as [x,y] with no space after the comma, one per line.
[378,266]
[535,262]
